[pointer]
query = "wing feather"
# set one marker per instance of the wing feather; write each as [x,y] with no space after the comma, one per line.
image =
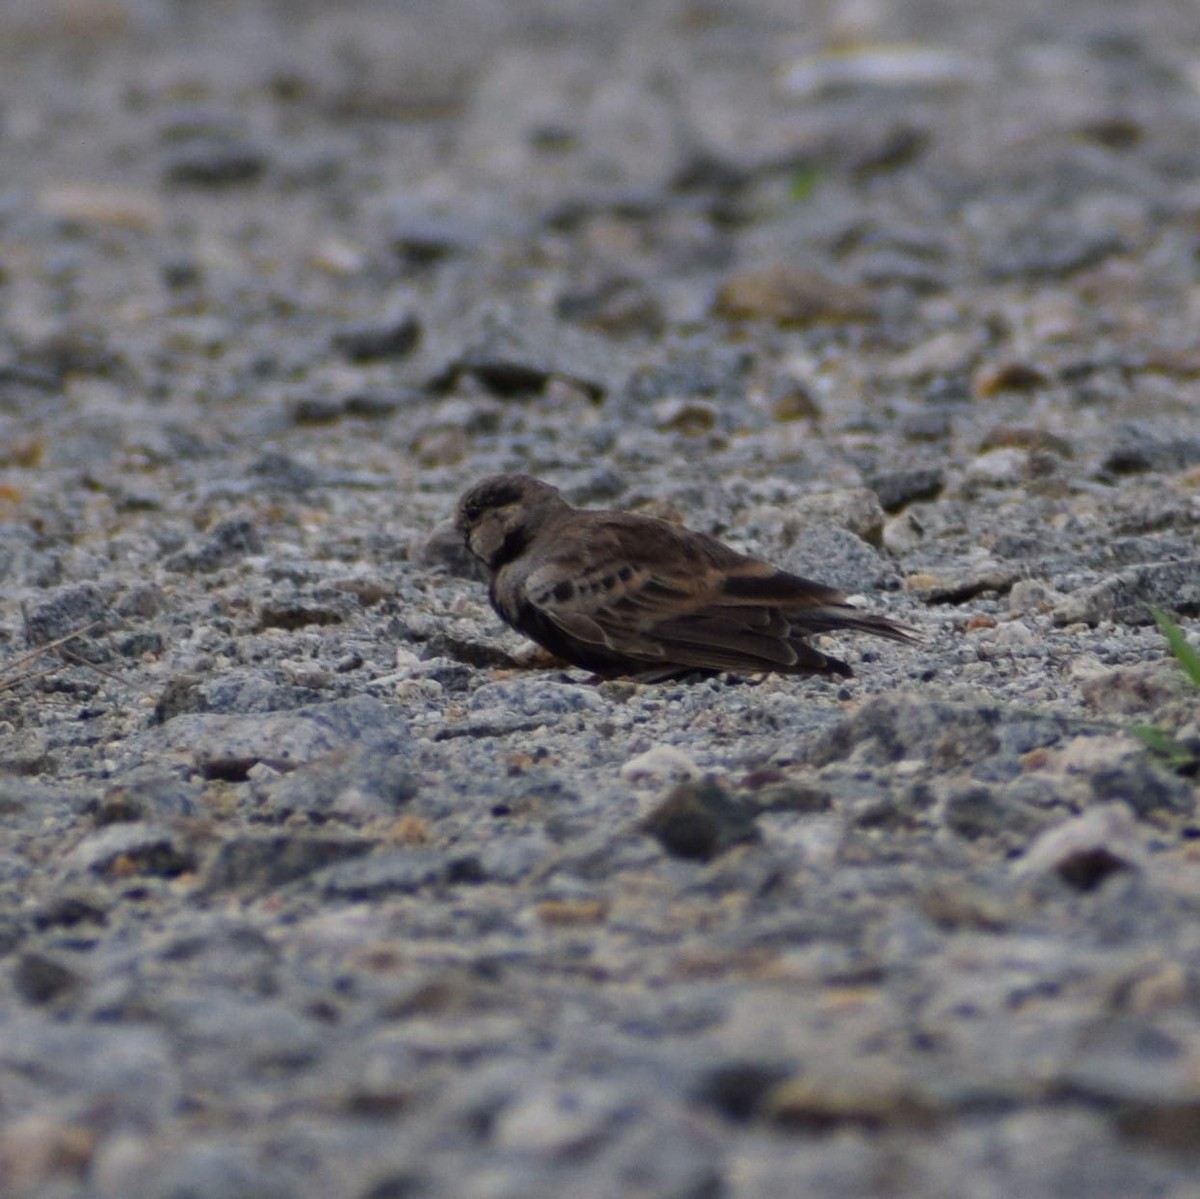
[639,590]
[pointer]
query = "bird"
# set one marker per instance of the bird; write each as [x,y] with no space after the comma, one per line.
[625,595]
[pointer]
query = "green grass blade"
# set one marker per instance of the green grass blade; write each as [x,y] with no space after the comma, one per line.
[1187,657]
[1162,744]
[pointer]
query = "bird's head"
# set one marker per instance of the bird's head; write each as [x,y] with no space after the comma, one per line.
[498,516]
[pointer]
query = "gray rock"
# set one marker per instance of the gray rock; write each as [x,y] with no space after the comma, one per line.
[398,871]
[898,488]
[1088,849]
[354,782]
[1128,595]
[76,608]
[1139,447]
[258,861]
[133,848]
[229,746]
[512,351]
[229,541]
[394,338]
[215,162]
[222,1172]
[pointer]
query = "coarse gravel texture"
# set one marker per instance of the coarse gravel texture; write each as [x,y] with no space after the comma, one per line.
[314,881]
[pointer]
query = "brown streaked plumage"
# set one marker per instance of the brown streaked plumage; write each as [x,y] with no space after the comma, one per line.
[622,594]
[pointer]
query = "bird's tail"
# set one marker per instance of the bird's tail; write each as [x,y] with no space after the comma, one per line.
[830,618]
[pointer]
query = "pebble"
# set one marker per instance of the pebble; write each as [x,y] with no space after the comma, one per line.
[660,763]
[791,296]
[392,338]
[1088,849]
[699,819]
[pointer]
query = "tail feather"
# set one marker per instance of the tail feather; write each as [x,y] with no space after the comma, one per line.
[831,618]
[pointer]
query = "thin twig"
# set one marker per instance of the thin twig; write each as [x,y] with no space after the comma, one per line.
[108,674]
[6,684]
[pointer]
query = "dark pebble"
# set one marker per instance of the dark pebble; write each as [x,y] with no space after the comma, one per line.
[736,1090]
[281,473]
[392,339]
[1138,448]
[68,610]
[897,489]
[258,861]
[227,542]
[316,410]
[214,161]
[134,849]
[379,403]
[420,240]
[700,820]
[39,979]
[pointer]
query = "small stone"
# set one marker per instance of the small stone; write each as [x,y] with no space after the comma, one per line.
[738,1090]
[280,473]
[661,763]
[40,1152]
[421,239]
[271,860]
[948,353]
[680,415]
[199,1171]
[903,533]
[1007,376]
[394,338]
[880,69]
[114,206]
[316,410]
[856,509]
[71,351]
[125,850]
[39,978]
[1087,849]
[226,746]
[1002,467]
[215,161]
[354,781]
[148,795]
[514,352]
[820,1103]
[700,820]
[572,911]
[1020,437]
[980,621]
[794,401]
[399,871]
[1128,595]
[178,274]
[558,1119]
[379,403]
[619,307]
[227,542]
[1029,596]
[836,556]
[791,296]
[927,424]
[80,606]
[898,488]
[1131,690]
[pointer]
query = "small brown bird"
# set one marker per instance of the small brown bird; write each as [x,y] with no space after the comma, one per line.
[622,594]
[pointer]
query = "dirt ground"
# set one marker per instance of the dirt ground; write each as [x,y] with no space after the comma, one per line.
[314,883]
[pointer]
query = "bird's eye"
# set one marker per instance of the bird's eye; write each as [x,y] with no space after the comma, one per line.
[473,511]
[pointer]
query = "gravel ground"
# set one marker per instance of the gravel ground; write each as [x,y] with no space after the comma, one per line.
[313,882]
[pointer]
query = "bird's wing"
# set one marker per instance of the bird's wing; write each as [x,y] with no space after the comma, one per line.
[656,594]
